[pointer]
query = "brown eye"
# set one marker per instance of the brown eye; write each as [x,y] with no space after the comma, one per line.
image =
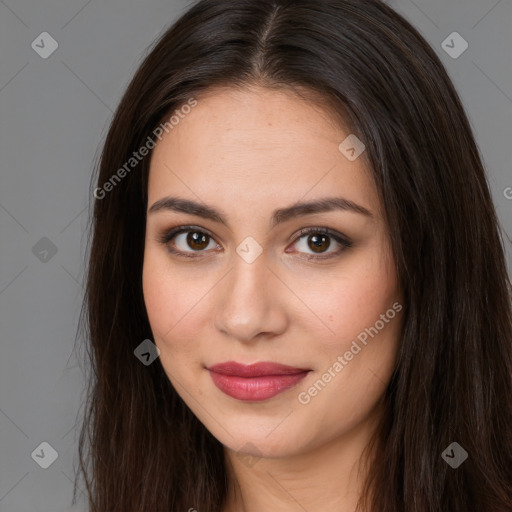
[186,241]
[190,242]
[197,240]
[318,240]
[318,243]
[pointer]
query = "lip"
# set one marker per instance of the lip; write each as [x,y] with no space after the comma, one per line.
[255,382]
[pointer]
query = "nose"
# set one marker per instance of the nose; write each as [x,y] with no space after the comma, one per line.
[250,302]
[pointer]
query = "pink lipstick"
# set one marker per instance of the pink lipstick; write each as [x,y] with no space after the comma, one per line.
[255,382]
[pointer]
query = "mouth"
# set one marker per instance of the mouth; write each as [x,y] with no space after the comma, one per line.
[255,382]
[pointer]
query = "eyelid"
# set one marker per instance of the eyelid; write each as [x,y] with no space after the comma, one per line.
[166,236]
[340,238]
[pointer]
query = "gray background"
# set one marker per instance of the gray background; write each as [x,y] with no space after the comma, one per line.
[54,114]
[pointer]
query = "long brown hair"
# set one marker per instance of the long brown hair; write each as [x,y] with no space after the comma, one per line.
[141,448]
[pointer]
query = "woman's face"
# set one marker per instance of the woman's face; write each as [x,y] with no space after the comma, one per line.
[253,288]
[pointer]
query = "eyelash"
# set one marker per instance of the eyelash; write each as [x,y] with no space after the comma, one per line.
[167,236]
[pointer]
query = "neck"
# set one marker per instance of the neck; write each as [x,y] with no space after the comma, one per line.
[328,477]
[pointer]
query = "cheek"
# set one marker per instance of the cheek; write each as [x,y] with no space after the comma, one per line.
[352,299]
[164,305]
[157,297]
[173,303]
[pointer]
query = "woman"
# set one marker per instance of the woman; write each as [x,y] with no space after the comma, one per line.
[297,297]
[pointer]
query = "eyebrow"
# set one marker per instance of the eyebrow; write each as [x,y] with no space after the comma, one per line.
[278,216]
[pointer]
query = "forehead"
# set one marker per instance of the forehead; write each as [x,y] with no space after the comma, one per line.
[257,145]
[259,117]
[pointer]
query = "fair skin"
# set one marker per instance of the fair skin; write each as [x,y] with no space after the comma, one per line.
[246,153]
